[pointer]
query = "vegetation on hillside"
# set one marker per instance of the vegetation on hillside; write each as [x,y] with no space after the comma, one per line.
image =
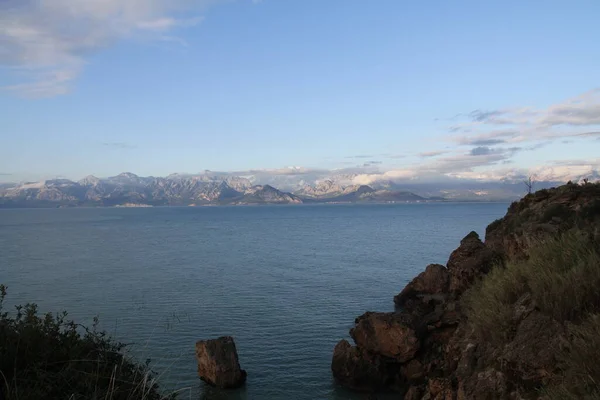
[49,357]
[564,207]
[560,279]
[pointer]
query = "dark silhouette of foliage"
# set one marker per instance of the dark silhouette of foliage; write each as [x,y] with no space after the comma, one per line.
[50,357]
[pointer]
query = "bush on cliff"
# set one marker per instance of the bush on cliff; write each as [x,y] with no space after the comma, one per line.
[562,277]
[49,357]
[579,363]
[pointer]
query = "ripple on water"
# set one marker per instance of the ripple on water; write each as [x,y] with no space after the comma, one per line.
[286,282]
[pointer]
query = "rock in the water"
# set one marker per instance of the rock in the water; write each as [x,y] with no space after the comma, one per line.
[218,363]
[434,280]
[386,334]
[471,260]
[358,369]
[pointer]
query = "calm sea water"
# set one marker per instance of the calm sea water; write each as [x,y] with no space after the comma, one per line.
[285,281]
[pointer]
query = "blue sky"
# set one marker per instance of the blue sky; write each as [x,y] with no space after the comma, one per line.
[468,89]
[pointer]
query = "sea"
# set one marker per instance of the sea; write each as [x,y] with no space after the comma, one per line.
[286,282]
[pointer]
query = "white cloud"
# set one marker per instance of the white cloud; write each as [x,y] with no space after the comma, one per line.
[578,117]
[427,154]
[583,110]
[461,169]
[393,175]
[44,43]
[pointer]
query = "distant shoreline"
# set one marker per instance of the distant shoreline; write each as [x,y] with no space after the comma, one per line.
[123,206]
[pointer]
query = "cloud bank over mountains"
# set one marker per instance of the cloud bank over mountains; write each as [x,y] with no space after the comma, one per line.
[483,144]
[477,146]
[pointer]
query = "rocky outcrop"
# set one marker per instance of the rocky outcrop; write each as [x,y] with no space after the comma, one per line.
[531,353]
[406,345]
[218,363]
[359,369]
[435,280]
[545,212]
[471,260]
[427,348]
[386,334]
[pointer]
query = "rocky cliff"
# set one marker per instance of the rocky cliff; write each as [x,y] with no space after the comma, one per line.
[516,316]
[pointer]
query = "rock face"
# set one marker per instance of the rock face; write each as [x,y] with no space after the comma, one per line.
[434,280]
[358,369]
[218,363]
[427,349]
[385,334]
[547,211]
[469,261]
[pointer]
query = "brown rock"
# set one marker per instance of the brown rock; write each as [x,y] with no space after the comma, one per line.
[523,307]
[434,280]
[358,369]
[386,334]
[487,385]
[440,389]
[218,363]
[443,315]
[414,393]
[471,260]
[413,370]
[467,361]
[544,213]
[531,353]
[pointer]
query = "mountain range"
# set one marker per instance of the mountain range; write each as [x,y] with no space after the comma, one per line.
[208,188]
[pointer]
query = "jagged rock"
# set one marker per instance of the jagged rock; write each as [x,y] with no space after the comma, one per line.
[358,369]
[386,334]
[440,389]
[467,361]
[413,370]
[218,363]
[531,353]
[414,393]
[443,315]
[434,280]
[523,307]
[439,353]
[487,385]
[546,211]
[471,260]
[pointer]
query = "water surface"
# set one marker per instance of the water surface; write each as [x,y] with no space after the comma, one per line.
[286,281]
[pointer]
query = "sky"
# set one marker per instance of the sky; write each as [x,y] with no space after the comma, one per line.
[395,89]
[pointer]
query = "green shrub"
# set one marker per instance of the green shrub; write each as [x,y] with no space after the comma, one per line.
[557,210]
[562,275]
[49,357]
[491,227]
[579,376]
[489,303]
[591,211]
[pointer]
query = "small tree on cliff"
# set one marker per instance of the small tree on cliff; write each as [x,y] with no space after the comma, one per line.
[529,183]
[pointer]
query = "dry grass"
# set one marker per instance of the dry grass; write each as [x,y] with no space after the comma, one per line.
[563,278]
[578,362]
[562,275]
